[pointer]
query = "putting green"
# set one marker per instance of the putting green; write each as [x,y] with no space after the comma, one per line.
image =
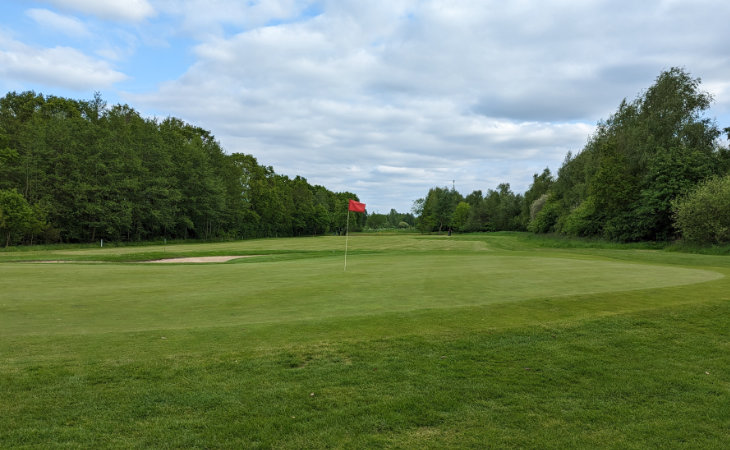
[98,298]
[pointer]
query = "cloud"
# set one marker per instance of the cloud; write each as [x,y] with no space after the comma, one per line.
[57,67]
[114,10]
[385,97]
[203,18]
[347,97]
[393,97]
[69,26]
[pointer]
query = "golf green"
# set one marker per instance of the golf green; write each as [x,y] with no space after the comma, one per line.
[96,298]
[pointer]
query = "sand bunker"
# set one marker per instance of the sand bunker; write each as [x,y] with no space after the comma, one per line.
[194,259]
[200,259]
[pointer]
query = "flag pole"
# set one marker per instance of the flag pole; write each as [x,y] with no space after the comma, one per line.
[347,236]
[355,207]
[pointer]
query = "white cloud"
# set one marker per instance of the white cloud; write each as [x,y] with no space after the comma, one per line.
[396,96]
[115,10]
[69,26]
[56,67]
[205,18]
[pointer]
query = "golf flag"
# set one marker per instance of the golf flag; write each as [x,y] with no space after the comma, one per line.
[356,206]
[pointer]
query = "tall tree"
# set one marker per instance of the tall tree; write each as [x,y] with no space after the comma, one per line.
[540,186]
[438,209]
[651,150]
[105,172]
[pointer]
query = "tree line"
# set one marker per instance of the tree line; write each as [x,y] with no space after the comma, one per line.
[79,171]
[390,221]
[647,173]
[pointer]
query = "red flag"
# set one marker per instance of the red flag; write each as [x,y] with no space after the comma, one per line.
[356,206]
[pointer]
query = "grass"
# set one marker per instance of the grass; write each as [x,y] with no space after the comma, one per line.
[426,341]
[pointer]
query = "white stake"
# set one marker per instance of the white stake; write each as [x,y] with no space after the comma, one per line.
[347,236]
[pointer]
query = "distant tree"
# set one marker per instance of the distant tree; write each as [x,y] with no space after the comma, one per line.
[392,218]
[478,219]
[445,208]
[461,216]
[357,221]
[503,208]
[437,209]
[377,221]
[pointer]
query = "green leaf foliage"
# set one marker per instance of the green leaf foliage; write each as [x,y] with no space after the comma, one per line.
[461,215]
[96,172]
[17,217]
[622,184]
[539,188]
[546,219]
[703,214]
[437,209]
[445,209]
[620,187]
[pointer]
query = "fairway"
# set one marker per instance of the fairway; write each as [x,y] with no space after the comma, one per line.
[202,354]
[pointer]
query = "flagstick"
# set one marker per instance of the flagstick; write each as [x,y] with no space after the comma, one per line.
[347,236]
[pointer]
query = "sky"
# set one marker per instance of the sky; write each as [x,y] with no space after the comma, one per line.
[385,99]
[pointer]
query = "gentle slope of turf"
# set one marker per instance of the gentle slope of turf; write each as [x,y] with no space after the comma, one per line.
[480,340]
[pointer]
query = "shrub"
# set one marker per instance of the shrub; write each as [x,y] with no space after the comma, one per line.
[703,214]
[545,219]
[582,221]
[537,206]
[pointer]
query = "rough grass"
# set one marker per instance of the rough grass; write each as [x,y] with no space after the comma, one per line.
[469,341]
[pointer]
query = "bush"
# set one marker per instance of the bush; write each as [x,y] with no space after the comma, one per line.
[546,218]
[582,221]
[703,215]
[537,206]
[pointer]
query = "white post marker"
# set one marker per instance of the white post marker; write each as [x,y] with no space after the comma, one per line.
[347,236]
[356,207]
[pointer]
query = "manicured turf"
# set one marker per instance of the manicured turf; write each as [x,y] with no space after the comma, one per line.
[478,340]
